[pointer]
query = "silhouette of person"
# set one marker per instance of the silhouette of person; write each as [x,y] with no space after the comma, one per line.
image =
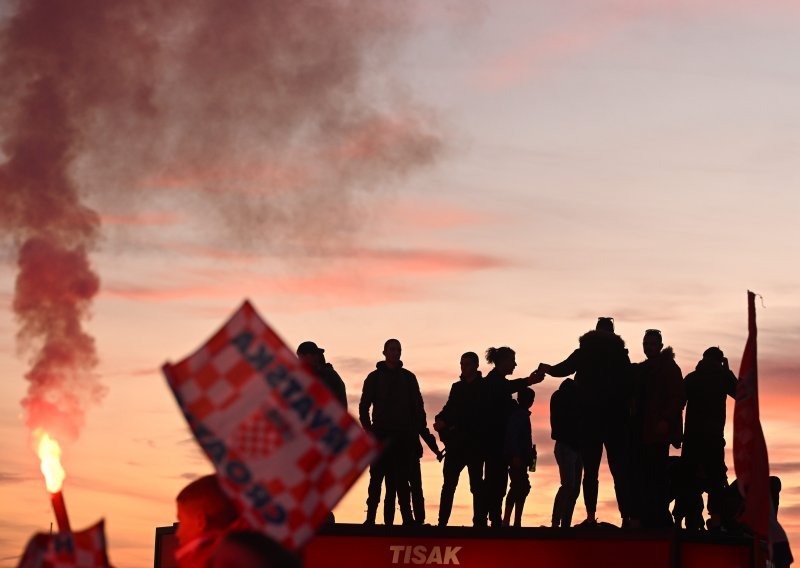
[520,452]
[250,549]
[657,422]
[204,513]
[703,452]
[781,551]
[461,431]
[415,480]
[602,374]
[497,406]
[392,394]
[314,358]
[565,430]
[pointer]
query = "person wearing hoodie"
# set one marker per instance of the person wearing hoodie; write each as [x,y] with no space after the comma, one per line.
[391,408]
[657,422]
[461,431]
[703,452]
[602,374]
[314,358]
[497,404]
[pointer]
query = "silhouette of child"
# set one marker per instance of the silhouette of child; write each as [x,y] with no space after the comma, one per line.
[519,452]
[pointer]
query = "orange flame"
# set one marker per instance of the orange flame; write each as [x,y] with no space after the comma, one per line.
[50,455]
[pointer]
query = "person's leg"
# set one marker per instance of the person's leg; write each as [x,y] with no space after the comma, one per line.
[495,487]
[389,498]
[591,454]
[451,471]
[521,488]
[617,444]
[376,475]
[574,474]
[417,496]
[656,463]
[717,482]
[403,459]
[475,467]
[560,501]
[692,494]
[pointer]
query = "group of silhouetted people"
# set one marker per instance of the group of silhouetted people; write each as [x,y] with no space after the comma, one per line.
[632,411]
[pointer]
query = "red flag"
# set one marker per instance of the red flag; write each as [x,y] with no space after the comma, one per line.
[750,458]
[82,549]
[284,448]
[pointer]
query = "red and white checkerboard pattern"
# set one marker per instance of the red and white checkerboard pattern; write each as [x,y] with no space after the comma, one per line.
[257,438]
[220,389]
[86,550]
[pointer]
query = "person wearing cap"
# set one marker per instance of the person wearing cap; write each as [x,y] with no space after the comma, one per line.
[703,452]
[314,358]
[602,371]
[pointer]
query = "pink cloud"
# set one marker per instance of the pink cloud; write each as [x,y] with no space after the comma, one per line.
[249,178]
[432,215]
[356,277]
[592,29]
[519,64]
[144,219]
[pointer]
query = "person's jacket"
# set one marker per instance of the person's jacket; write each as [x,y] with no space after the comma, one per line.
[394,397]
[565,415]
[334,382]
[497,403]
[519,439]
[462,415]
[603,374]
[659,399]
[707,389]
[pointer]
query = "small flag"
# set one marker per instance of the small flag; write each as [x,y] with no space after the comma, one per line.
[83,549]
[284,448]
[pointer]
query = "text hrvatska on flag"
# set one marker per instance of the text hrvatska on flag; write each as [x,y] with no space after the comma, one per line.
[285,450]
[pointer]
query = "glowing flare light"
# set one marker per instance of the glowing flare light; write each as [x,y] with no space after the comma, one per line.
[50,456]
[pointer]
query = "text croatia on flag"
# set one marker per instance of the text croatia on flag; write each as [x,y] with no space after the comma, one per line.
[80,549]
[284,448]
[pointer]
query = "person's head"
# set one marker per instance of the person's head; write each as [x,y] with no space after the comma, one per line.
[652,344]
[469,364]
[392,351]
[775,491]
[503,359]
[310,354]
[202,507]
[525,397]
[713,356]
[248,549]
[605,324]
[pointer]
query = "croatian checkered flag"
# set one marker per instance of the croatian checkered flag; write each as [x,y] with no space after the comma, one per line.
[284,448]
[82,549]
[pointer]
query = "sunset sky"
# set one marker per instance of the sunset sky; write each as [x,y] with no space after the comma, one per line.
[533,166]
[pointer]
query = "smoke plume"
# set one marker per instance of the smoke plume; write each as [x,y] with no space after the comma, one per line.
[263,117]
